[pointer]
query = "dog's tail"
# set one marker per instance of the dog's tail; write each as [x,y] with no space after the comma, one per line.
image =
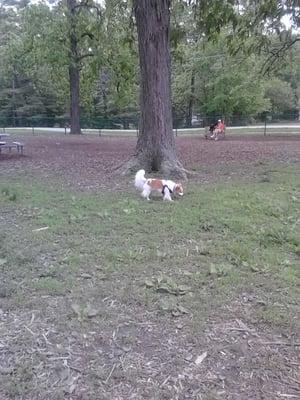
[140,179]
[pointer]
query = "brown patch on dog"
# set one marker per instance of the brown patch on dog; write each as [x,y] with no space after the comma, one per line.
[155,184]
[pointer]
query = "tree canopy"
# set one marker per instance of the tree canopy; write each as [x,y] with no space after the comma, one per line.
[218,50]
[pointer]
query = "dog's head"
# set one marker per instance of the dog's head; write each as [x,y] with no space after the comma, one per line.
[178,189]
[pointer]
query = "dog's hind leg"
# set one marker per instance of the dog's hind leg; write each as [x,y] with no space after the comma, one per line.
[146,191]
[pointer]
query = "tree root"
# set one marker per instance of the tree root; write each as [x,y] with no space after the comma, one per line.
[169,168]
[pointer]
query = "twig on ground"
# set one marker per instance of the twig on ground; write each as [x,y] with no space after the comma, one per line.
[165,381]
[29,330]
[110,374]
[46,340]
[41,229]
[280,344]
[295,380]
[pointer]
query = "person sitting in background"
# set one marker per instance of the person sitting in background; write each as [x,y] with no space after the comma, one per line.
[218,130]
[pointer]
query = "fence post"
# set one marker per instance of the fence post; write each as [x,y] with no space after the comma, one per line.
[174,128]
[265,129]
[99,131]
[33,130]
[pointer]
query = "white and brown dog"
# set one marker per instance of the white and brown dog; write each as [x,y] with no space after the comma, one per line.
[165,187]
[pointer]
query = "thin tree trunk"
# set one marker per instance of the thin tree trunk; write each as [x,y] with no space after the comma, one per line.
[74,74]
[189,115]
[74,99]
[156,144]
[125,123]
[14,99]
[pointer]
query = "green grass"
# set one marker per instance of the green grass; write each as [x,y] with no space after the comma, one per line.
[230,235]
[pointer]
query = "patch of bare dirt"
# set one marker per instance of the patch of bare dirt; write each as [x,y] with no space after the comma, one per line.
[138,356]
[89,163]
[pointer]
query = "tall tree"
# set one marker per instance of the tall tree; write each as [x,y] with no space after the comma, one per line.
[155,148]
[74,73]
[79,33]
[118,78]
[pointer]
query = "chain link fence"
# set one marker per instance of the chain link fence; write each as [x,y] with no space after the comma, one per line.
[267,123]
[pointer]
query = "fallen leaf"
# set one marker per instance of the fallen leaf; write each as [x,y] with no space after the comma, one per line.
[86,276]
[76,308]
[213,270]
[71,385]
[6,371]
[201,358]
[64,374]
[183,289]
[164,306]
[182,309]
[164,289]
[161,254]
[90,312]
[71,388]
[176,313]
[148,283]
[188,357]
[179,310]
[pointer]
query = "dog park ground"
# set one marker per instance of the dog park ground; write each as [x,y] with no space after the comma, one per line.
[106,296]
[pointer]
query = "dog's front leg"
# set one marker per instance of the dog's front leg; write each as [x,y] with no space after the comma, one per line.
[167,197]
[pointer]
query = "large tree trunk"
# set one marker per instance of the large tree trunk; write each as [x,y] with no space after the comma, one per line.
[155,149]
[74,74]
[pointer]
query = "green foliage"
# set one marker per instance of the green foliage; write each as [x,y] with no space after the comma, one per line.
[29,85]
[281,95]
[223,83]
[252,25]
[210,73]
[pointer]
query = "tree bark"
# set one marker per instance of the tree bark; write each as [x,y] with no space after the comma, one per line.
[74,99]
[155,150]
[190,107]
[74,72]
[14,112]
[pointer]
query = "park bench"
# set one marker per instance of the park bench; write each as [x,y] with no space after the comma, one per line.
[14,145]
[20,147]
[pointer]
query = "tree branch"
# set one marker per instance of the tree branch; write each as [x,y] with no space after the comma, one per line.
[276,54]
[80,58]
[89,34]
[85,4]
